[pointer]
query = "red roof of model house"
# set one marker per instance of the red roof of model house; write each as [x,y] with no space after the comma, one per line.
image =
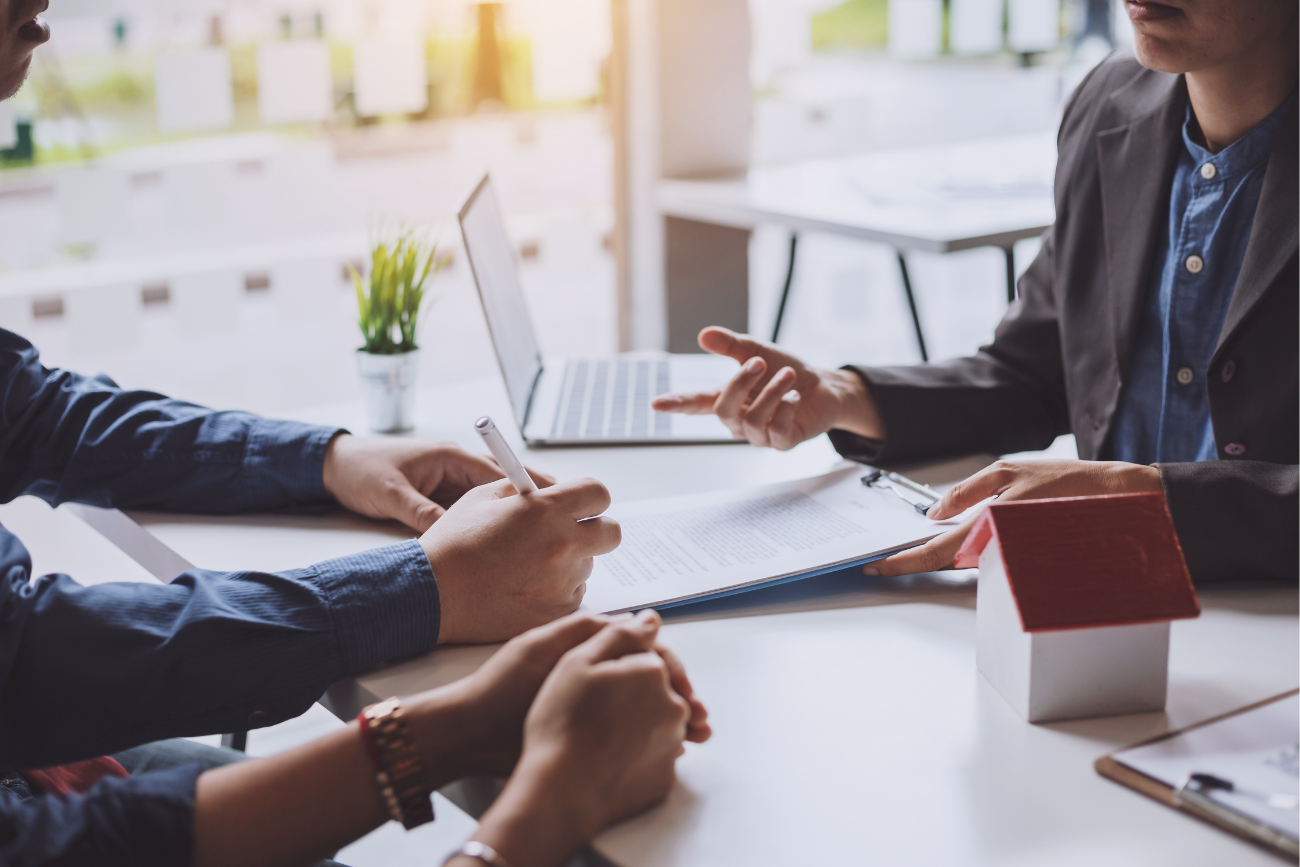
[1082,562]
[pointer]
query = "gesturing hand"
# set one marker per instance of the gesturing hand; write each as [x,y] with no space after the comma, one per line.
[1015,480]
[491,703]
[507,562]
[411,481]
[776,400]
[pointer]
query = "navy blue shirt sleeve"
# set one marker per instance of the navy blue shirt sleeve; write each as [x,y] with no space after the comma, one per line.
[147,819]
[87,671]
[67,437]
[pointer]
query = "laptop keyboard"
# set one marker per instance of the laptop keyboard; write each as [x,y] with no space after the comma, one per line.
[610,399]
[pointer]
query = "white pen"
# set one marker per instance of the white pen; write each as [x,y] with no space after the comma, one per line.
[505,456]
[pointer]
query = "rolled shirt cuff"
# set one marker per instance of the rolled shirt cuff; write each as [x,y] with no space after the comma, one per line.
[284,461]
[385,604]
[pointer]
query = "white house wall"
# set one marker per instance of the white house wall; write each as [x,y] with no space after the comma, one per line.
[1002,649]
[1076,673]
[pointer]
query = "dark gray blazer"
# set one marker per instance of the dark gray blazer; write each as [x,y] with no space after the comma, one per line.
[1059,358]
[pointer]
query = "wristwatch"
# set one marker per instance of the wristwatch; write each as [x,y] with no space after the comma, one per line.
[399,773]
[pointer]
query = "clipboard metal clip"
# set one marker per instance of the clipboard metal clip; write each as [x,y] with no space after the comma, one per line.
[918,496]
[1203,783]
[1194,793]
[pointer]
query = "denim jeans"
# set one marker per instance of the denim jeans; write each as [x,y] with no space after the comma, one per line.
[161,755]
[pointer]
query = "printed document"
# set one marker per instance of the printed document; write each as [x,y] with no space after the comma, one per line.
[679,549]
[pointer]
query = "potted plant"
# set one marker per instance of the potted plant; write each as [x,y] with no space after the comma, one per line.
[389,303]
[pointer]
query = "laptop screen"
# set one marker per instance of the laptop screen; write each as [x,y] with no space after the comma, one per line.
[492,259]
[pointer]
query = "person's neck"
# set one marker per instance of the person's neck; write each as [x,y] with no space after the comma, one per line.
[1230,100]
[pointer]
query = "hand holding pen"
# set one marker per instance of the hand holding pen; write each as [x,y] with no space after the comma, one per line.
[505,456]
[506,563]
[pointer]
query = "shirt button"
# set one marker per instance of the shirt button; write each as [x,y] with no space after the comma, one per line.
[1208,171]
[1228,371]
[257,718]
[1194,263]
[1235,449]
[1185,375]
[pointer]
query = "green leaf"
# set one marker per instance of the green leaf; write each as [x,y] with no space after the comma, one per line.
[391,302]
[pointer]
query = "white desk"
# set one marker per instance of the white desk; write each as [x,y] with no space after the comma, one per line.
[940,199]
[58,542]
[989,193]
[851,725]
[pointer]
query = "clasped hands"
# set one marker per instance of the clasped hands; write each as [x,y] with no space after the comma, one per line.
[587,715]
[778,401]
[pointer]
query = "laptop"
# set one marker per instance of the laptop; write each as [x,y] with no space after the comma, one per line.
[578,401]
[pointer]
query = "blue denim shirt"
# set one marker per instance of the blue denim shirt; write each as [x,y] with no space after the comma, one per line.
[1164,411]
[87,671]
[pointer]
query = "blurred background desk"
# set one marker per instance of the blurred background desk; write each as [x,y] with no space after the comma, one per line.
[988,193]
[848,713]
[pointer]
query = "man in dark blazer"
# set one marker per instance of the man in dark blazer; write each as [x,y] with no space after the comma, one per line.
[1158,324]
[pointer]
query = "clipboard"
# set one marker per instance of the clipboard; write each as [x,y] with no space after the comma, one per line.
[697,547]
[1207,811]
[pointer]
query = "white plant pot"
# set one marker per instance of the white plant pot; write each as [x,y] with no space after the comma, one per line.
[389,385]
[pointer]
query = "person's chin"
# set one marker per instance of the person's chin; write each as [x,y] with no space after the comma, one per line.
[11,82]
[1162,55]
[1160,34]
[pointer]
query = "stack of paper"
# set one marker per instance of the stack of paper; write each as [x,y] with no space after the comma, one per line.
[688,548]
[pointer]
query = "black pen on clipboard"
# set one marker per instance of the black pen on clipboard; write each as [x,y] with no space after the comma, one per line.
[1194,792]
[923,498]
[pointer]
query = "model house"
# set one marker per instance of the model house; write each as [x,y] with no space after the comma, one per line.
[1074,602]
